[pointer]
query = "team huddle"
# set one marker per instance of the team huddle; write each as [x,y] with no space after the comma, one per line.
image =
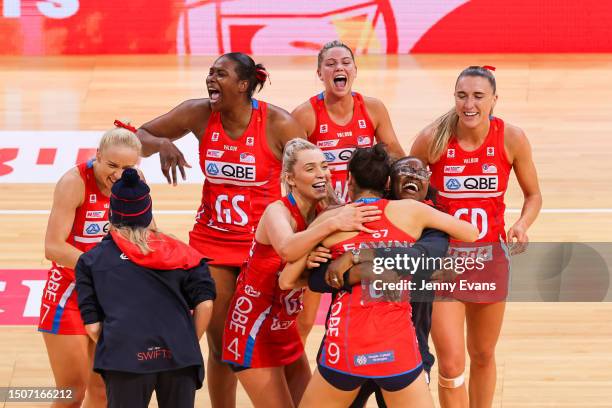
[293,205]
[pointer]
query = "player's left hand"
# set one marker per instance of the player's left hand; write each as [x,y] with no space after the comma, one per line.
[334,276]
[517,238]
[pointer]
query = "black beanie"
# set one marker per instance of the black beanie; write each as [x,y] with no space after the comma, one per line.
[130,202]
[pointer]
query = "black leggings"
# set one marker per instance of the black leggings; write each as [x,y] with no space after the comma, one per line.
[174,389]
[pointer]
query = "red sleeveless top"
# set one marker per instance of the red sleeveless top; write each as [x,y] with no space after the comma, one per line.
[90,223]
[260,330]
[472,185]
[242,178]
[365,335]
[338,142]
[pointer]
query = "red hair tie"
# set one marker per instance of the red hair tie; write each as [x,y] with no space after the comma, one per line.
[127,126]
[261,74]
[489,67]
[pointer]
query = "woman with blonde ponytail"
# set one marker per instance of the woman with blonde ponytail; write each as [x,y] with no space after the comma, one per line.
[78,221]
[471,154]
[261,341]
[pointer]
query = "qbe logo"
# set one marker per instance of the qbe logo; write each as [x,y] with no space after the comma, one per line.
[330,157]
[480,183]
[339,156]
[95,228]
[453,184]
[232,171]
[212,169]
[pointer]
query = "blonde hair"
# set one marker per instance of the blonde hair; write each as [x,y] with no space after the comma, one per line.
[328,46]
[290,152]
[444,128]
[119,136]
[139,236]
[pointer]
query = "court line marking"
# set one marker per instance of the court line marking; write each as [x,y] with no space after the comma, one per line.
[191,212]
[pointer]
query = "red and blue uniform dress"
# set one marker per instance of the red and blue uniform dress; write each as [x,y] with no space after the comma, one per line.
[338,141]
[59,311]
[366,336]
[242,178]
[471,186]
[260,329]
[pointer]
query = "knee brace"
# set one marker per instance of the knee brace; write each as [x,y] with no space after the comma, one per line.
[451,382]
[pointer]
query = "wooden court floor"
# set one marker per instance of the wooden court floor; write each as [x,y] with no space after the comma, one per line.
[549,354]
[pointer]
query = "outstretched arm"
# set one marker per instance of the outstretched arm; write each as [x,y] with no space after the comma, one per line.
[158,134]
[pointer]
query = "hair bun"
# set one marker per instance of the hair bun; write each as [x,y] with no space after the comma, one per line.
[380,152]
[130,177]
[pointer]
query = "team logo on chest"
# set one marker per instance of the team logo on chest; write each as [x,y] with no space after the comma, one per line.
[250,141]
[93,198]
[450,153]
[490,151]
[361,123]
[247,158]
[215,136]
[489,168]
[364,140]
[323,128]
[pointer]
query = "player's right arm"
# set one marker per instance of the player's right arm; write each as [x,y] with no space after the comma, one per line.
[67,197]
[291,246]
[157,135]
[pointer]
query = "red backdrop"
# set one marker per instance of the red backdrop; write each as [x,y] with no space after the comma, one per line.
[53,27]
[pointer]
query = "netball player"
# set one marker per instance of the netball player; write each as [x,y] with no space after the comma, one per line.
[240,142]
[409,179]
[367,337]
[471,154]
[337,120]
[78,221]
[261,340]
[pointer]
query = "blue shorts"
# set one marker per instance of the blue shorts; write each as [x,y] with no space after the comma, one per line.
[347,382]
